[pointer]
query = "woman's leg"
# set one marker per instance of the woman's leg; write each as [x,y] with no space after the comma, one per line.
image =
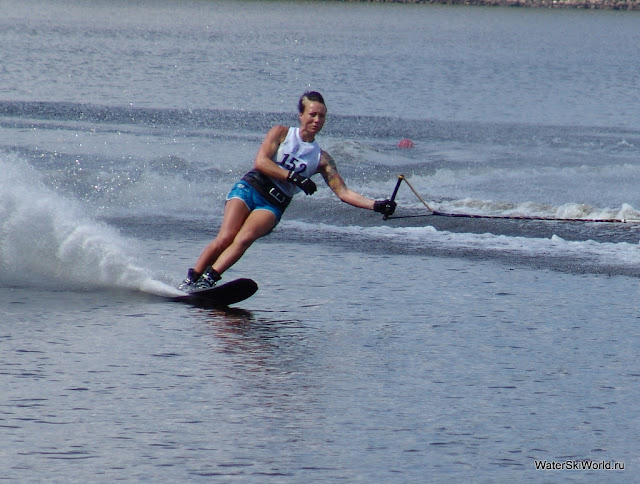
[235,214]
[256,225]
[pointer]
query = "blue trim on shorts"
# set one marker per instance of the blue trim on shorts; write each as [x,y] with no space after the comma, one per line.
[252,199]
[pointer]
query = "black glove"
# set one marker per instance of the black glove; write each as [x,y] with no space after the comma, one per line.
[303,182]
[385,207]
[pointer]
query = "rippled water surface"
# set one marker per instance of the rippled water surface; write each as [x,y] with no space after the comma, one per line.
[418,349]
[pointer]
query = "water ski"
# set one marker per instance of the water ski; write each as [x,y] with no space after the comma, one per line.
[221,296]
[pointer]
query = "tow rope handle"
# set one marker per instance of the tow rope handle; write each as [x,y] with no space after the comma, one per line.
[393,195]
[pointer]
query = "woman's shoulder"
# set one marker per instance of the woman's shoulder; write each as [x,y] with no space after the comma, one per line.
[282,128]
[278,132]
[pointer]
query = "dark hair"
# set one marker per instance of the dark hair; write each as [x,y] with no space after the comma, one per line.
[309,96]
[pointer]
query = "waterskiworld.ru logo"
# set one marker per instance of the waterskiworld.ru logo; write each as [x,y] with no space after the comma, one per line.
[581,465]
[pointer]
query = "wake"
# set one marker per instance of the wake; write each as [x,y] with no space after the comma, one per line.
[47,240]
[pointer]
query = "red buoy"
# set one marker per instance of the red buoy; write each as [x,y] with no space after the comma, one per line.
[405,143]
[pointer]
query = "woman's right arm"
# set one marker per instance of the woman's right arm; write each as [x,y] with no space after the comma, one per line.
[264,159]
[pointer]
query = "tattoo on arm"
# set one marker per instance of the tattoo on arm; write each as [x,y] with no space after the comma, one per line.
[331,175]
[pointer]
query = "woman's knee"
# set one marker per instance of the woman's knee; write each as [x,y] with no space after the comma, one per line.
[245,238]
[220,243]
[224,240]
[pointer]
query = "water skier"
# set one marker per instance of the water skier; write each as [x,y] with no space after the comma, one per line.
[285,162]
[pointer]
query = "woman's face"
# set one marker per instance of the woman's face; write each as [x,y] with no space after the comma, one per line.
[312,119]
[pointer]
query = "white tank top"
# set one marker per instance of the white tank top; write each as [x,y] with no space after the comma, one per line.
[300,156]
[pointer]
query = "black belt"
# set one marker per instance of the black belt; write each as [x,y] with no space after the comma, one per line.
[265,187]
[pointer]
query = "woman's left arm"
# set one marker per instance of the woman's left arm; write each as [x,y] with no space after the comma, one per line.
[329,171]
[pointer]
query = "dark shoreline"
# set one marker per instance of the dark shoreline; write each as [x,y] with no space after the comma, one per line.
[581,4]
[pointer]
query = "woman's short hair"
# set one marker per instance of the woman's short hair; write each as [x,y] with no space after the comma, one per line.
[309,96]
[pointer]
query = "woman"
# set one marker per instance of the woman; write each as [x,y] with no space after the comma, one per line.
[285,162]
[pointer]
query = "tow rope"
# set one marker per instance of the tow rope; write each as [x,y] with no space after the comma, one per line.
[437,213]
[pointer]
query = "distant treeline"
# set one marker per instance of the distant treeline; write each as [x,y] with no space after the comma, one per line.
[587,4]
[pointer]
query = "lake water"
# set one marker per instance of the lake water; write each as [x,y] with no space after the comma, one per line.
[423,348]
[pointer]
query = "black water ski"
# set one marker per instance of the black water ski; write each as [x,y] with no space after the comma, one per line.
[221,296]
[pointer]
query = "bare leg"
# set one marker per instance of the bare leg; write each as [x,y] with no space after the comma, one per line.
[256,225]
[240,228]
[235,214]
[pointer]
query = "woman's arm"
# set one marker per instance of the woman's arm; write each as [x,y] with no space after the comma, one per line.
[264,159]
[329,171]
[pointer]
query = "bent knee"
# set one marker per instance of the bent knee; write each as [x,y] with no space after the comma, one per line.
[222,241]
[246,238]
